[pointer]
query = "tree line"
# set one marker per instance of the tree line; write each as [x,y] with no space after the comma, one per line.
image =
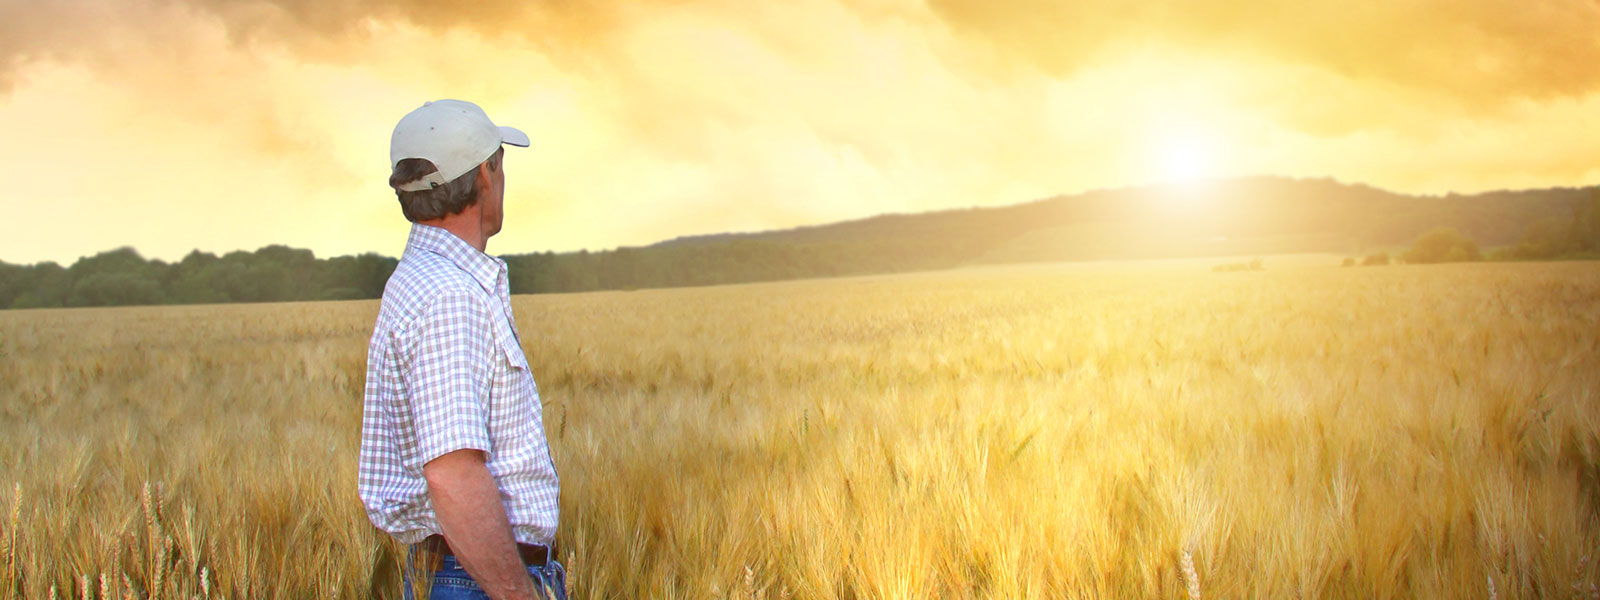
[279,273]
[123,277]
[1578,237]
[1546,239]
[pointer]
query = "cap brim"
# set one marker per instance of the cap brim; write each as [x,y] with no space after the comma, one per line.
[513,136]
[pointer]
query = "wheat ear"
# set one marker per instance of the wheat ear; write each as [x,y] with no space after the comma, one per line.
[1190,578]
[159,571]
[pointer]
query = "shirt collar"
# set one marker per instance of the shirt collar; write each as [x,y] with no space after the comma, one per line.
[482,267]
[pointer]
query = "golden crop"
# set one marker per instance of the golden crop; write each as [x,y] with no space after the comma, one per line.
[1030,432]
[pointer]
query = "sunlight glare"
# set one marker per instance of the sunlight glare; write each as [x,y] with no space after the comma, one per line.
[1187,158]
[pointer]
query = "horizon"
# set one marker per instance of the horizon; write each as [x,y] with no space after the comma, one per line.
[233,127]
[681,238]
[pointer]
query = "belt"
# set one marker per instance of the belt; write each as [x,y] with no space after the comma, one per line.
[533,555]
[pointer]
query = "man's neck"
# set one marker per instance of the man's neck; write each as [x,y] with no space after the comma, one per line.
[465,225]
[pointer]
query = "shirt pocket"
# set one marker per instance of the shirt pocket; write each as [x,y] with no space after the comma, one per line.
[514,396]
[507,342]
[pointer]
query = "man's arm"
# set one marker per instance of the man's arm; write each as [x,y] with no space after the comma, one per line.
[467,504]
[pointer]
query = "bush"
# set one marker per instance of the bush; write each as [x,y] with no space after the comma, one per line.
[1254,265]
[1375,260]
[1444,244]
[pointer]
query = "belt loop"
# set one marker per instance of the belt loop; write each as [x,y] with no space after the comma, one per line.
[432,556]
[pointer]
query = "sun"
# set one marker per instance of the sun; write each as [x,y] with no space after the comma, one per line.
[1186,158]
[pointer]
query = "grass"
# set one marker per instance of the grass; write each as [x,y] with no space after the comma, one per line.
[1030,432]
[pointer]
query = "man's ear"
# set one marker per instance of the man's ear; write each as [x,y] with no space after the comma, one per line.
[482,181]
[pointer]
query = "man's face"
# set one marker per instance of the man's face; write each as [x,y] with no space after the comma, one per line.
[493,200]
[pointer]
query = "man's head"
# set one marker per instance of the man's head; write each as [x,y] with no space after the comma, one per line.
[445,157]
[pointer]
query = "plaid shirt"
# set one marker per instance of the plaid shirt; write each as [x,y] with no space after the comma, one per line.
[445,371]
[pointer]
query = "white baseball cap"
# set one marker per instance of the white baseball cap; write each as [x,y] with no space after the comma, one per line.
[455,135]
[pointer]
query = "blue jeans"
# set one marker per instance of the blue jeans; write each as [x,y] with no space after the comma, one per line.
[451,581]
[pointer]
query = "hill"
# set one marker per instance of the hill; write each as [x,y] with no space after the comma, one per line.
[1244,216]
[1233,216]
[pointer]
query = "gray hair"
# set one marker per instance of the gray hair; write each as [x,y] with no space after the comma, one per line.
[448,199]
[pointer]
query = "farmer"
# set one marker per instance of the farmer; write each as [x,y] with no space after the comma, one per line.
[454,460]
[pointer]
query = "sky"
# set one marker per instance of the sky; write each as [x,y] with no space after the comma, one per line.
[218,125]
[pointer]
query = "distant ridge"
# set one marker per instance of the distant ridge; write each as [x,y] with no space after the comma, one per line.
[1239,216]
[1254,214]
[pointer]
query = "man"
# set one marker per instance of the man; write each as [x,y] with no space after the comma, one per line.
[454,460]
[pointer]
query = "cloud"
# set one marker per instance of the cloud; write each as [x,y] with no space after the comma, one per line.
[682,68]
[94,32]
[1476,53]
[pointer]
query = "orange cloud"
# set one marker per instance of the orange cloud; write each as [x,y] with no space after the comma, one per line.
[1475,51]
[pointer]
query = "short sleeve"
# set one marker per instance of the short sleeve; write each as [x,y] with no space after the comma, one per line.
[450,374]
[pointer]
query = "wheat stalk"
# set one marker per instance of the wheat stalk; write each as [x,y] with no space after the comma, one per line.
[5,554]
[1492,594]
[108,544]
[8,538]
[149,518]
[191,539]
[1190,578]
[158,571]
[572,569]
[105,586]
[161,503]
[1577,576]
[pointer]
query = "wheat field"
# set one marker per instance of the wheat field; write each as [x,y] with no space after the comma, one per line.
[1054,431]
